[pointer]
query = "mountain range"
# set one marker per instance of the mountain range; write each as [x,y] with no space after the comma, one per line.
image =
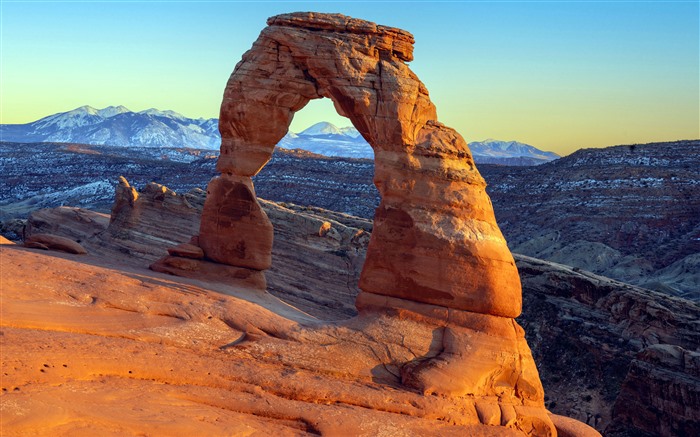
[509,153]
[118,126]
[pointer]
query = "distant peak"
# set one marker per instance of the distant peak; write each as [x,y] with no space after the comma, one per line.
[84,109]
[327,128]
[321,128]
[111,111]
[159,113]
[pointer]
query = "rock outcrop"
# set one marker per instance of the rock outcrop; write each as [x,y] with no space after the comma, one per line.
[618,357]
[54,242]
[660,394]
[437,265]
[434,214]
[153,215]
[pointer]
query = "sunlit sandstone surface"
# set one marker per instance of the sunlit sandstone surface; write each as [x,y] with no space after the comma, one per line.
[97,344]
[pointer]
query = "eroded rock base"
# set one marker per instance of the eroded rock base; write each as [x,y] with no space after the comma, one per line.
[210,271]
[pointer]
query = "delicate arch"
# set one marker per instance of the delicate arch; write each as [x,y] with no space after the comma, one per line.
[435,237]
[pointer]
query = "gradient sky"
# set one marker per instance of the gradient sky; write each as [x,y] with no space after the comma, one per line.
[558,75]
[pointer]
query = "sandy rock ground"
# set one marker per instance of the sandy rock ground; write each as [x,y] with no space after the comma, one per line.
[585,330]
[89,349]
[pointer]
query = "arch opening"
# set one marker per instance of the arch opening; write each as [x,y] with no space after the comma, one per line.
[309,193]
[336,181]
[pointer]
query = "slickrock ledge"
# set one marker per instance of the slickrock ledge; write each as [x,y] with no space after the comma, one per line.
[276,367]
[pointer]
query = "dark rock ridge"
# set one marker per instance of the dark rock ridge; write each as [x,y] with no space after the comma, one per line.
[83,176]
[593,337]
[628,212]
[620,358]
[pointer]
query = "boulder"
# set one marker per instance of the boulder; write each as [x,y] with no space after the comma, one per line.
[186,250]
[54,242]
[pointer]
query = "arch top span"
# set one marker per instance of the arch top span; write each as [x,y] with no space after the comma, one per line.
[394,40]
[435,238]
[358,65]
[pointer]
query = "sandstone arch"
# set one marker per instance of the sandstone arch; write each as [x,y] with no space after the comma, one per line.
[440,289]
[435,239]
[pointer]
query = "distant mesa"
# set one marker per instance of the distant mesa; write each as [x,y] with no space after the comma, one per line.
[119,126]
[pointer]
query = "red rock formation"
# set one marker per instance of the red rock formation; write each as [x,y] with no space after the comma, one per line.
[54,242]
[234,228]
[4,240]
[435,238]
[95,350]
[436,257]
[585,330]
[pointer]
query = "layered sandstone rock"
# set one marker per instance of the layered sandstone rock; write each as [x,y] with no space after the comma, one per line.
[142,223]
[436,264]
[612,355]
[585,330]
[660,394]
[54,242]
[435,239]
[100,350]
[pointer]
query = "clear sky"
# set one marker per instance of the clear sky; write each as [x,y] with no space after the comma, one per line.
[555,74]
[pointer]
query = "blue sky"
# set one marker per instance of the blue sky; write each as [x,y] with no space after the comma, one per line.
[557,75]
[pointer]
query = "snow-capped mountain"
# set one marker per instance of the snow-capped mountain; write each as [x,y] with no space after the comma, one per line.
[492,151]
[118,126]
[111,111]
[327,139]
[321,129]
